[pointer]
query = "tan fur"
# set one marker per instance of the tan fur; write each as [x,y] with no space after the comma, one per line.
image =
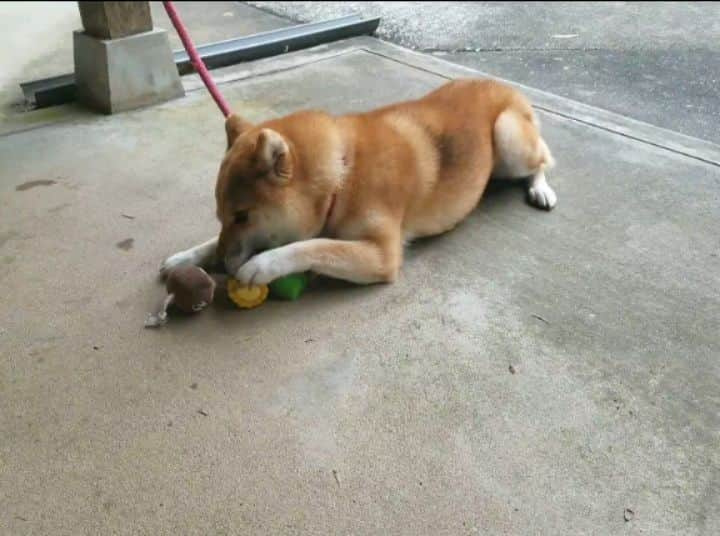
[341,195]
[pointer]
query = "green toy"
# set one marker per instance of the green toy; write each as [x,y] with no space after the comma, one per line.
[289,287]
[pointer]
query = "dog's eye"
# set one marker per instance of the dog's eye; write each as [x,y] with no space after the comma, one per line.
[241,217]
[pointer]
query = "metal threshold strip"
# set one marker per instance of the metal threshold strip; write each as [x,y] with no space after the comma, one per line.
[61,89]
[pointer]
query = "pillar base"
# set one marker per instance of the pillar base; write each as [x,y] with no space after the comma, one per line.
[123,74]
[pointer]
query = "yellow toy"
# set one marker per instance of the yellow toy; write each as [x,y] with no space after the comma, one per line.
[288,288]
[246,297]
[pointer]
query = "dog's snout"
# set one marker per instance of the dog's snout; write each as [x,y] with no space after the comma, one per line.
[236,257]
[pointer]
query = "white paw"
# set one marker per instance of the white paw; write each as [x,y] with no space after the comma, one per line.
[542,195]
[182,258]
[265,268]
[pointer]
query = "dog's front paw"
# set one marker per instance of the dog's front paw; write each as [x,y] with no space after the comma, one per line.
[265,268]
[183,258]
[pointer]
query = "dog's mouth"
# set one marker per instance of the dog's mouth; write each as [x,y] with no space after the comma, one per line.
[235,254]
[234,260]
[239,254]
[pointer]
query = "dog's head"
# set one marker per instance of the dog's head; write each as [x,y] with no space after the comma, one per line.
[262,198]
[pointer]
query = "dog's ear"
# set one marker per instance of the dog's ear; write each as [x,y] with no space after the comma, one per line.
[272,153]
[234,126]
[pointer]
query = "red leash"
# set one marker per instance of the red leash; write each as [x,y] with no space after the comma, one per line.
[196,59]
[205,75]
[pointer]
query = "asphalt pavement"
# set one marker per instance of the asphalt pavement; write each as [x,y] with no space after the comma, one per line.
[657,62]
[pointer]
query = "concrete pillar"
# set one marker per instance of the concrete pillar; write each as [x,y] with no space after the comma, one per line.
[110,20]
[121,62]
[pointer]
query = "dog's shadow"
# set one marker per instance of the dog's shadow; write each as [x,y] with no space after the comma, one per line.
[500,192]
[318,285]
[497,197]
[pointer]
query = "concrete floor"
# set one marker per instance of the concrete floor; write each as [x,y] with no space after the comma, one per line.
[530,372]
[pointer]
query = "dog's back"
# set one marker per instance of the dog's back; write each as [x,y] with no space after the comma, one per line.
[428,161]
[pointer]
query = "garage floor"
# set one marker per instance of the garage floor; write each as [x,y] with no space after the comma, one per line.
[530,372]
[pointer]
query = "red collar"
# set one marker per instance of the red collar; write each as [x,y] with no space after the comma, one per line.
[333,198]
[329,212]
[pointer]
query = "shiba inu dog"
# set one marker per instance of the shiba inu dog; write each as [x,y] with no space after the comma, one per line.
[341,195]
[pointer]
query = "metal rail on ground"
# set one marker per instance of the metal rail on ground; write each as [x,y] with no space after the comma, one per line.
[61,89]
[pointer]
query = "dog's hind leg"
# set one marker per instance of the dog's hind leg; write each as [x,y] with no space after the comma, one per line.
[521,153]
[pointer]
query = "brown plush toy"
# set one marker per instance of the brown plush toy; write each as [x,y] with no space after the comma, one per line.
[189,288]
